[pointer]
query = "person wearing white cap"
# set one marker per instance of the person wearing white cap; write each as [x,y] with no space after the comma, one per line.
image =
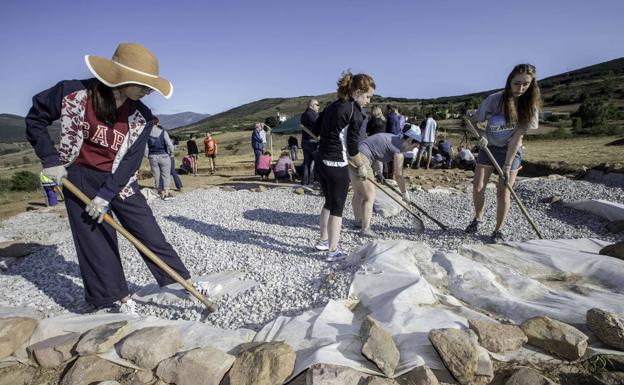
[384,147]
[104,130]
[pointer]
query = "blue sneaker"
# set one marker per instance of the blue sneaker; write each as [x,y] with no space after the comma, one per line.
[322,244]
[336,255]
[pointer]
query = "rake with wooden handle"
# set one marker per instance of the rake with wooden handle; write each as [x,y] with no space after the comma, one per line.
[421,225]
[210,307]
[500,173]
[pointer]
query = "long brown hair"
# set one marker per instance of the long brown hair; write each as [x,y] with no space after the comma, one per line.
[103,102]
[529,103]
[349,83]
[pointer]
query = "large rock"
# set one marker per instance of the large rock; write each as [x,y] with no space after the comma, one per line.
[459,350]
[101,338]
[53,351]
[496,337]
[615,250]
[607,326]
[378,346]
[325,374]
[13,249]
[18,375]
[90,369]
[203,366]
[615,226]
[142,377]
[14,332]
[266,364]
[147,347]
[526,376]
[555,337]
[374,380]
[608,378]
[422,375]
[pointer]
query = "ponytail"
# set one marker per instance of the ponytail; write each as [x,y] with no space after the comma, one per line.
[349,83]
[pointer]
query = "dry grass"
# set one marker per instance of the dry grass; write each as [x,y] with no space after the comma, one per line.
[576,152]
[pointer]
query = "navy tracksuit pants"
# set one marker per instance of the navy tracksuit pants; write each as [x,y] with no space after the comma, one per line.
[96,244]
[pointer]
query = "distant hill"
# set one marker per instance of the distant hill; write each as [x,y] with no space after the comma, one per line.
[561,92]
[13,129]
[180,119]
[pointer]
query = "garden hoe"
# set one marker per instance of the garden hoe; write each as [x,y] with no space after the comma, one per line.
[210,307]
[500,172]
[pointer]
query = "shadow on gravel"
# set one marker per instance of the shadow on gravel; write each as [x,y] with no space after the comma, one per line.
[282,218]
[52,277]
[250,237]
[576,218]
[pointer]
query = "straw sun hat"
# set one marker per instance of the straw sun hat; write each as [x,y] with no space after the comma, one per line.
[131,64]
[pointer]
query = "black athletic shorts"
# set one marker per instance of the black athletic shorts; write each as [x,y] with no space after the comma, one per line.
[335,185]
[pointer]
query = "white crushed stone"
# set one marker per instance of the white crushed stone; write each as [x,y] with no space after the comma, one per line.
[270,236]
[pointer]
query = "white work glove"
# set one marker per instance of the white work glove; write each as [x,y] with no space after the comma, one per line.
[506,172]
[362,172]
[56,173]
[406,197]
[482,142]
[97,208]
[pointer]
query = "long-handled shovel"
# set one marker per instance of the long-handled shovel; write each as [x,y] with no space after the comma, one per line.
[437,222]
[421,225]
[210,307]
[500,173]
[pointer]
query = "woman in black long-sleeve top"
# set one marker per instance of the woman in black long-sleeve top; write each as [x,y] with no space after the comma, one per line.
[338,127]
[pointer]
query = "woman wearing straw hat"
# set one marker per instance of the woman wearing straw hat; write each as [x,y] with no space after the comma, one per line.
[104,130]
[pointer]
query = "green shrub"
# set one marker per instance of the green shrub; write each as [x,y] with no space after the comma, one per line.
[271,121]
[594,114]
[24,181]
[5,184]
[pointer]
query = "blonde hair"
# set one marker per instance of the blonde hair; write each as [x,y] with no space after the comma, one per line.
[349,83]
[378,113]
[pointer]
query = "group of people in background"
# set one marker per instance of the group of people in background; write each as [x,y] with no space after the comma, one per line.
[348,147]
[106,131]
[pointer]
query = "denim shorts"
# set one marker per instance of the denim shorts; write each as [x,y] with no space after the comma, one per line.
[499,153]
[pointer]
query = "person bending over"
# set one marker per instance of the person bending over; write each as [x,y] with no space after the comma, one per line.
[382,148]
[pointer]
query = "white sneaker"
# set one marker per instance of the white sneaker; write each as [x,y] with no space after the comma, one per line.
[322,244]
[336,255]
[128,307]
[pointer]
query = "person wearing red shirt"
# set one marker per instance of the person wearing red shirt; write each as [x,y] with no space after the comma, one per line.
[210,149]
[104,131]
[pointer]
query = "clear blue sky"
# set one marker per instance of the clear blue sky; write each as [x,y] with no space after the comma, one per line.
[222,54]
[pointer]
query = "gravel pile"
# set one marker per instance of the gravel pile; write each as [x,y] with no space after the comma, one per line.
[269,236]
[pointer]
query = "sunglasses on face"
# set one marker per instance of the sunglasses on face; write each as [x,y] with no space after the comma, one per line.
[146,90]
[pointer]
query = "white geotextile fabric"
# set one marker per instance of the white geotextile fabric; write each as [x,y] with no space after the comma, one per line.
[410,289]
[609,210]
[384,205]
[561,279]
[215,285]
[396,291]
